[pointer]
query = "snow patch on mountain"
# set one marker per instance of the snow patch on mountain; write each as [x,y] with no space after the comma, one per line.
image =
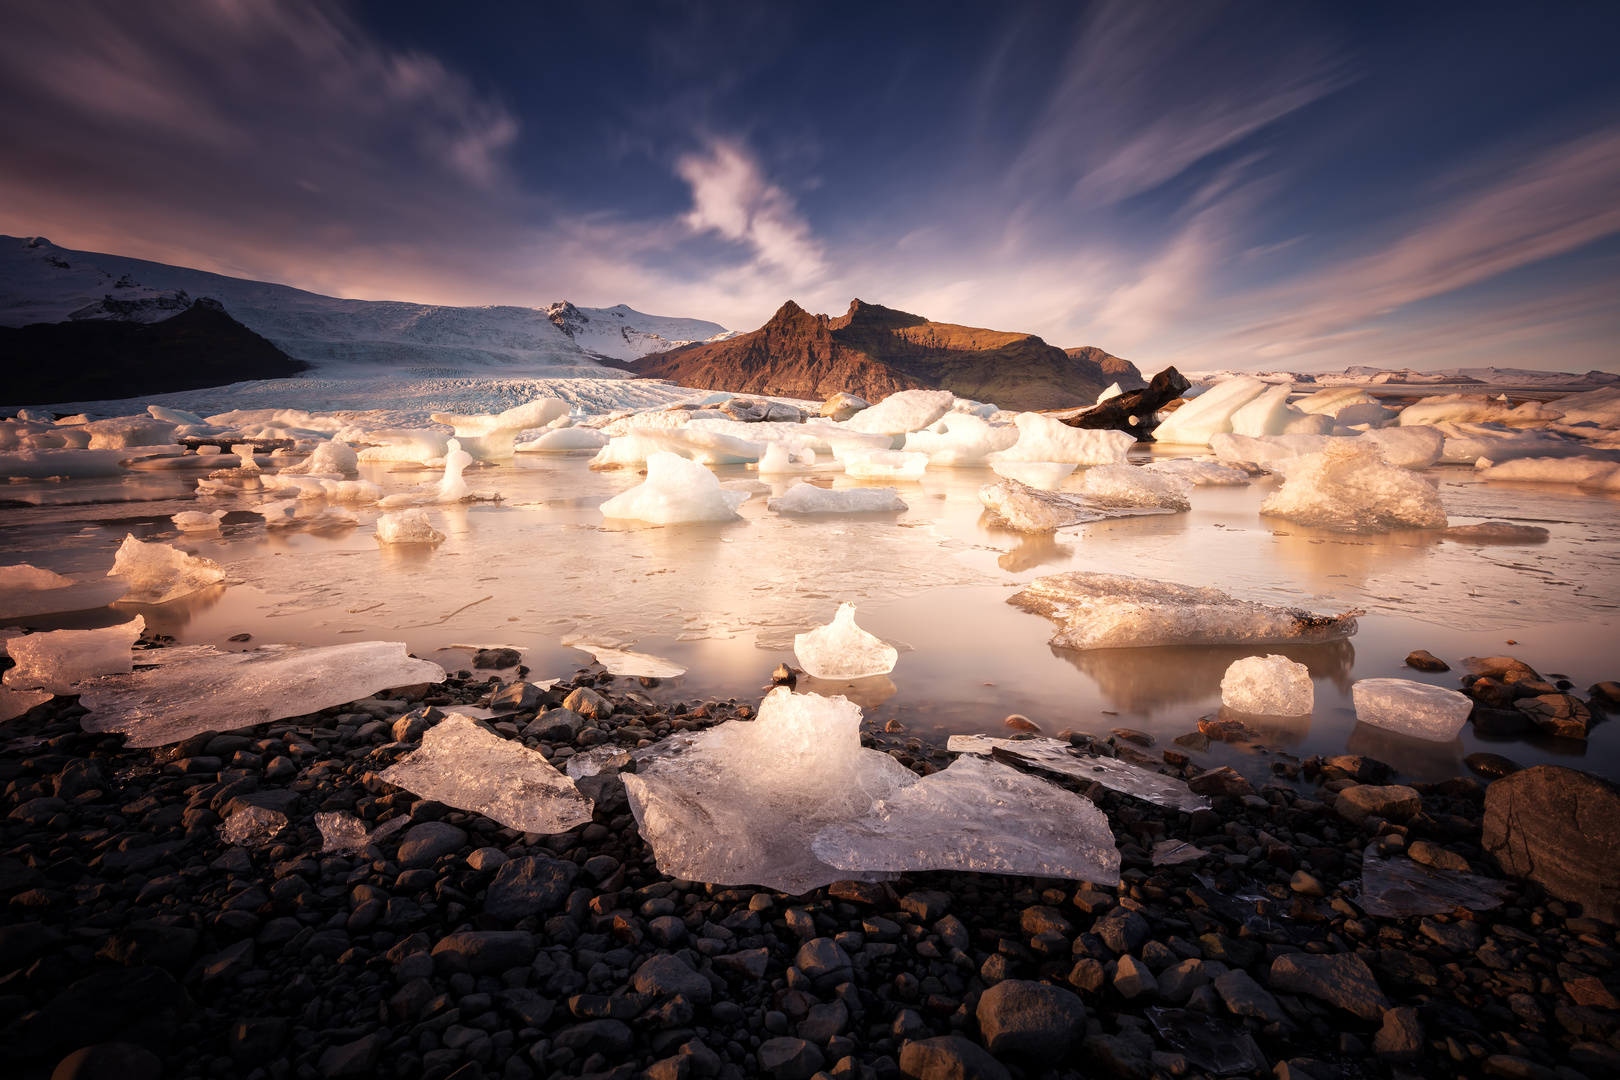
[622,333]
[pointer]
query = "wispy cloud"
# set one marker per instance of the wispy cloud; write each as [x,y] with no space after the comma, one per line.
[732,197]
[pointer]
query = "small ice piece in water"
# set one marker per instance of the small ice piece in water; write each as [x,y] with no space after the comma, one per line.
[330,456]
[1397,888]
[909,410]
[1200,473]
[982,817]
[1056,756]
[1411,708]
[30,590]
[1046,475]
[1497,532]
[842,650]
[1350,488]
[407,527]
[780,457]
[1210,413]
[252,826]
[158,573]
[452,488]
[810,499]
[1041,438]
[341,833]
[1032,510]
[593,761]
[403,444]
[1108,611]
[191,687]
[676,490]
[630,664]
[467,766]
[57,659]
[884,464]
[197,520]
[245,458]
[1175,852]
[559,440]
[1268,686]
[356,492]
[491,436]
[1127,485]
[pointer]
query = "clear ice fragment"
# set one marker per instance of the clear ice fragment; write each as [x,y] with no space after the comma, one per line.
[1412,708]
[252,826]
[341,833]
[13,703]
[407,527]
[1059,757]
[1200,473]
[842,650]
[1028,509]
[1396,888]
[1268,686]
[29,590]
[1175,852]
[623,662]
[1127,485]
[471,768]
[157,573]
[810,499]
[593,761]
[58,659]
[197,520]
[676,491]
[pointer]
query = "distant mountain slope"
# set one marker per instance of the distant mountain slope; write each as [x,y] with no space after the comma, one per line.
[622,333]
[874,351]
[92,359]
[1110,368]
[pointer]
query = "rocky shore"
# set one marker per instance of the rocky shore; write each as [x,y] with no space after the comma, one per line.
[136,942]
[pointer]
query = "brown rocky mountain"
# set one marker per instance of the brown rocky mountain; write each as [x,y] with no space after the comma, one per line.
[1111,369]
[873,351]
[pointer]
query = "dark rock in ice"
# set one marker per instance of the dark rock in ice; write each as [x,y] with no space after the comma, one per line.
[1561,829]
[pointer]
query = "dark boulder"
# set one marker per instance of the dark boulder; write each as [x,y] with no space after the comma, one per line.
[1561,829]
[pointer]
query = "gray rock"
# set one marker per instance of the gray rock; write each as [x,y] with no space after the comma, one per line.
[528,886]
[109,1061]
[426,843]
[517,696]
[667,975]
[823,1022]
[747,964]
[1031,1020]
[789,1059]
[1177,982]
[483,952]
[949,1057]
[1245,997]
[1400,1040]
[1343,980]
[555,725]
[1561,829]
[1461,936]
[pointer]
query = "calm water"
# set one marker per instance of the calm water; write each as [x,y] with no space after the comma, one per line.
[726,600]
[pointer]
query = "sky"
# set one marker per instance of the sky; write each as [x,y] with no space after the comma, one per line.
[1211,184]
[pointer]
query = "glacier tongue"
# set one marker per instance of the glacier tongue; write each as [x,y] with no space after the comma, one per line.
[977,816]
[471,768]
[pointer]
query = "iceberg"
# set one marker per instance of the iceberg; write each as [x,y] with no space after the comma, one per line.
[810,499]
[469,767]
[560,440]
[407,527]
[123,432]
[1600,407]
[58,659]
[781,457]
[1409,448]
[631,664]
[961,439]
[1026,509]
[977,816]
[1350,488]
[1267,414]
[1046,475]
[158,573]
[703,447]
[192,687]
[197,520]
[1411,708]
[1210,413]
[333,456]
[1055,756]
[38,464]
[404,444]
[1200,473]
[1114,390]
[1477,409]
[909,410]
[1106,611]
[884,464]
[1041,438]
[1127,485]
[1269,686]
[449,488]
[29,590]
[351,491]
[842,650]
[1334,400]
[1586,472]
[676,491]
[490,436]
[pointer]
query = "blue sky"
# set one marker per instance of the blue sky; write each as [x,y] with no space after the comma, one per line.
[1204,183]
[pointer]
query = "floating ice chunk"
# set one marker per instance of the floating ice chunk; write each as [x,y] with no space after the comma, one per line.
[809,499]
[704,447]
[122,432]
[1059,757]
[591,762]
[909,410]
[965,440]
[1334,400]
[741,803]
[342,833]
[280,512]
[491,436]
[467,766]
[842,650]
[356,492]
[1046,475]
[1587,472]
[675,491]
[1397,888]
[1267,414]
[1114,390]
[978,816]
[452,487]
[1041,438]
[1027,509]
[407,527]
[559,440]
[158,573]
[1349,487]
[884,464]
[403,444]
[1269,686]
[1308,424]
[42,463]
[1200,473]
[1229,446]
[192,687]
[1501,446]
[1127,485]
[1210,413]
[333,456]
[1409,448]
[197,520]
[1105,611]
[246,461]
[56,660]
[1477,409]
[623,662]
[29,590]
[1372,414]
[786,458]
[1411,708]
[13,703]
[252,826]
[25,578]
[1600,407]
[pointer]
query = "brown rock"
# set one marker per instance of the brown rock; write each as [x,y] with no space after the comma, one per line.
[1424,660]
[1492,692]
[1559,828]
[1498,667]
[1019,722]
[1226,730]
[1343,980]
[1563,715]
[1222,781]
[1605,691]
[1396,802]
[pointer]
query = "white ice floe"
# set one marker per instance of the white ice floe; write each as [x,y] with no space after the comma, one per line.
[197,520]
[1127,485]
[356,492]
[909,410]
[961,439]
[490,436]
[1103,611]
[124,432]
[1409,448]
[1586,472]
[809,499]
[1467,443]
[884,464]
[1200,473]
[1113,391]
[29,590]
[1026,509]
[56,660]
[252,826]
[1478,409]
[1600,407]
[842,650]
[1041,438]
[1370,415]
[465,765]
[560,440]
[1046,475]
[1349,487]
[624,662]
[1053,755]
[977,816]
[782,458]
[1268,685]
[676,490]
[1210,413]
[407,527]
[403,444]
[703,447]
[1267,414]
[332,456]
[451,487]
[1411,708]
[157,573]
[1334,400]
[192,687]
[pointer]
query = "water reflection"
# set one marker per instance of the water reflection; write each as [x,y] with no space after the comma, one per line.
[172,617]
[868,693]
[1275,730]
[1032,550]
[1323,555]
[1413,758]
[1146,680]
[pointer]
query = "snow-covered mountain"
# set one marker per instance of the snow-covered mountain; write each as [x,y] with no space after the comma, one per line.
[1515,378]
[41,282]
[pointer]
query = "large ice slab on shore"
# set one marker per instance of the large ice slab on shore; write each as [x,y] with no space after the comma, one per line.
[1210,413]
[1127,485]
[29,590]
[742,803]
[1411,708]
[196,688]
[909,410]
[676,491]
[1059,757]
[157,573]
[1041,438]
[1350,488]
[810,499]
[490,436]
[842,650]
[471,768]
[1105,611]
[977,816]
[1268,685]
[58,659]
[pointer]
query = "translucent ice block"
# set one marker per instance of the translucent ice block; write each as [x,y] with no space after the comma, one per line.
[842,650]
[675,491]
[13,703]
[1412,708]
[1409,448]
[809,499]
[407,527]
[1350,488]
[122,432]
[58,659]
[333,456]
[1397,888]
[157,573]
[781,457]
[340,832]
[909,410]
[1200,473]
[1041,438]
[558,440]
[884,464]
[29,590]
[490,436]
[1268,685]
[252,826]
[1027,509]
[197,520]
[1267,414]
[1210,413]
[623,662]
[965,440]
[1056,756]
[1127,485]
